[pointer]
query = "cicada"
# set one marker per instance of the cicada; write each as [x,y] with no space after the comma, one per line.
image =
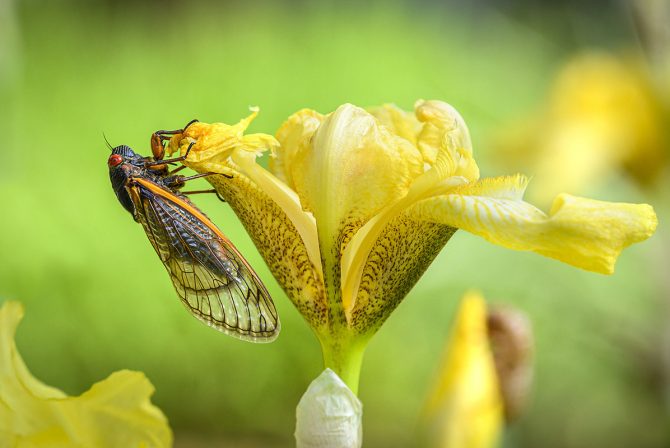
[213,280]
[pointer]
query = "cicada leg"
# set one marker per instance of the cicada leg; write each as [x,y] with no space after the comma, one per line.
[158,139]
[177,182]
[206,191]
[158,165]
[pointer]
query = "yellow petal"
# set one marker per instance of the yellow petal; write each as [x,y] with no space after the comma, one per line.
[352,168]
[609,104]
[295,139]
[217,141]
[582,232]
[396,120]
[603,116]
[114,412]
[444,140]
[445,144]
[279,242]
[269,210]
[401,254]
[465,409]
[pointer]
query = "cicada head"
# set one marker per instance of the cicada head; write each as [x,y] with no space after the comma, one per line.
[122,163]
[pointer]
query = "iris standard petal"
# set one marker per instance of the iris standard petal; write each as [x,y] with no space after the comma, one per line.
[354,168]
[401,123]
[582,232]
[295,140]
[444,140]
[113,412]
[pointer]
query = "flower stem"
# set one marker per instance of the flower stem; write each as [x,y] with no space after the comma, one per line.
[344,356]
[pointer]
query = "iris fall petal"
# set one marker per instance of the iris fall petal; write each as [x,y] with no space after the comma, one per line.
[582,232]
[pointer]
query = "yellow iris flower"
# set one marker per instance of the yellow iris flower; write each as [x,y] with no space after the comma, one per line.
[114,412]
[357,203]
[602,115]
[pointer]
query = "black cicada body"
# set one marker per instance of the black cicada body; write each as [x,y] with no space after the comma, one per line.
[213,280]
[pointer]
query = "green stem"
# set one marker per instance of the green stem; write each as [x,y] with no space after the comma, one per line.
[344,356]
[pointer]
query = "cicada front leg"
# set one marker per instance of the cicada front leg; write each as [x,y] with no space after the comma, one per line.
[158,140]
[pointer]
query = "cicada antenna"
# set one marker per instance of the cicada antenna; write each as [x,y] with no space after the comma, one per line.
[109,145]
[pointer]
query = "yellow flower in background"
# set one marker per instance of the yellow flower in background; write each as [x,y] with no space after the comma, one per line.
[465,409]
[603,115]
[115,412]
[357,203]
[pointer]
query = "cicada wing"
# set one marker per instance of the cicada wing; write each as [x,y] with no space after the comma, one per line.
[212,279]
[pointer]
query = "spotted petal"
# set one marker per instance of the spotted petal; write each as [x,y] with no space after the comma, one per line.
[444,143]
[270,211]
[345,167]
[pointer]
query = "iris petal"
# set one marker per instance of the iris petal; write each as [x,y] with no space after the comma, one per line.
[465,408]
[582,232]
[113,412]
[270,211]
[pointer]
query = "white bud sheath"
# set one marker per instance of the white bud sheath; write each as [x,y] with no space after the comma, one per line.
[329,415]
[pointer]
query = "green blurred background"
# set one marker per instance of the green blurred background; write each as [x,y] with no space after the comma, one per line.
[98,300]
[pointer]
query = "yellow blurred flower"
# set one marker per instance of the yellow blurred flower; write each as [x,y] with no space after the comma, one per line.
[357,203]
[603,115]
[114,413]
[465,409]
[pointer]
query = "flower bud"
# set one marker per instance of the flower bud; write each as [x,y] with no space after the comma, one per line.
[329,415]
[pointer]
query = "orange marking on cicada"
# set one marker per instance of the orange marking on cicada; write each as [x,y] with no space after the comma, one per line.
[192,210]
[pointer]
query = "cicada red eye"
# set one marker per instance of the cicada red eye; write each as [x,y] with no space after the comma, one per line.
[114,160]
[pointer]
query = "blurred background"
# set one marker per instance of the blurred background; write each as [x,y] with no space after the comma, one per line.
[574,93]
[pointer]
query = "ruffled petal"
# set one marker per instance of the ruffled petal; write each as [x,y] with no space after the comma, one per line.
[215,142]
[295,139]
[113,412]
[401,123]
[444,140]
[582,232]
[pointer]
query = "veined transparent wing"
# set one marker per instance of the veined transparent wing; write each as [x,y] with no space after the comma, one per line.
[214,282]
